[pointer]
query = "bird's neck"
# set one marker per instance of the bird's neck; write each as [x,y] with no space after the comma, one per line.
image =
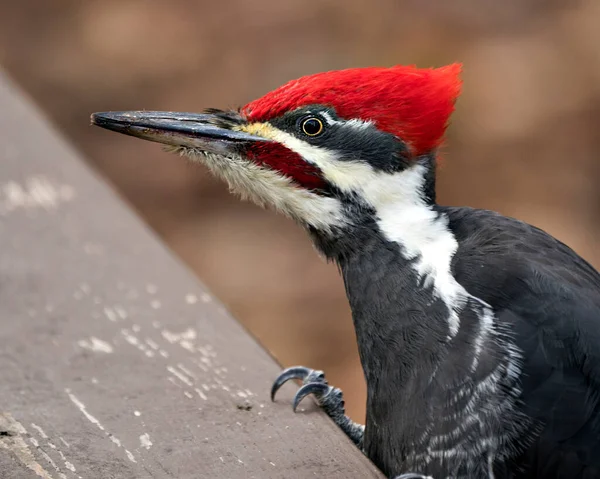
[395,258]
[403,296]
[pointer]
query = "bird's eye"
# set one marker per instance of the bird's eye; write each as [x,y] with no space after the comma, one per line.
[312,126]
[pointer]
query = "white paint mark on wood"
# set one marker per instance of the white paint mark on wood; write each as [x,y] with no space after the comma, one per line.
[145,441]
[115,440]
[70,466]
[83,409]
[47,458]
[96,345]
[189,334]
[191,298]
[39,430]
[205,298]
[185,344]
[110,314]
[155,304]
[188,394]
[206,361]
[121,313]
[172,380]
[201,394]
[202,366]
[207,351]
[183,378]
[135,341]
[137,413]
[36,192]
[186,370]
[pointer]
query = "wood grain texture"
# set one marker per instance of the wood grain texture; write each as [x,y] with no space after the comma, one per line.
[115,360]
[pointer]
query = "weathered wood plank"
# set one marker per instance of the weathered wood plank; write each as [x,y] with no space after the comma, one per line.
[115,361]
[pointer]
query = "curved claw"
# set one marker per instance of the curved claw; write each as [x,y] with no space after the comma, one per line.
[296,372]
[318,389]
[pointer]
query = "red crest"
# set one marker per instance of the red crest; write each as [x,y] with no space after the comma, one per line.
[411,103]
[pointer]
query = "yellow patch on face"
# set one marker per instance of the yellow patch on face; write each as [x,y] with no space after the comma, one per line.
[264,130]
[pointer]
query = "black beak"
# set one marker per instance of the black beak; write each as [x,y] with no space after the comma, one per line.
[212,132]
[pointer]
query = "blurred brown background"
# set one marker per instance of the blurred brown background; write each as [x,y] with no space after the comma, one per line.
[524,139]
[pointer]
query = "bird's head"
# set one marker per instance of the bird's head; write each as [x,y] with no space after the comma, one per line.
[323,148]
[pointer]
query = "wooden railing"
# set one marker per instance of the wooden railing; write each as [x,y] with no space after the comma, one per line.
[115,362]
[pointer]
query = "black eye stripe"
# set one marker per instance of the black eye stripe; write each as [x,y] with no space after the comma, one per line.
[382,151]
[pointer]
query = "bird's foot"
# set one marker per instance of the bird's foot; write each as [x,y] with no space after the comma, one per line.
[330,399]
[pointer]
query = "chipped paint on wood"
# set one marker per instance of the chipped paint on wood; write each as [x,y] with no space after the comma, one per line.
[135,341]
[47,458]
[110,314]
[186,370]
[96,345]
[206,298]
[189,334]
[145,441]
[191,298]
[83,408]
[201,394]
[39,430]
[180,376]
[67,464]
[13,441]
[36,192]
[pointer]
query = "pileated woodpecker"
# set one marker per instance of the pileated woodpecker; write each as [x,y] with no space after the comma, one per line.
[479,335]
